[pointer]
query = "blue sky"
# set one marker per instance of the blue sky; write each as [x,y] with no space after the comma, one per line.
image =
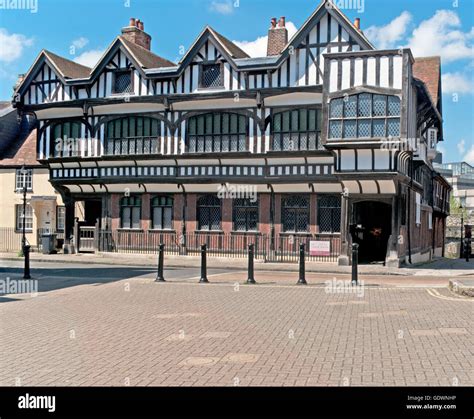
[82,30]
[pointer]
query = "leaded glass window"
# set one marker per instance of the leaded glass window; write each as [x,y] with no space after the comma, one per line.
[329,213]
[133,135]
[364,115]
[296,130]
[211,76]
[217,132]
[245,214]
[130,212]
[122,82]
[66,139]
[209,213]
[295,213]
[162,213]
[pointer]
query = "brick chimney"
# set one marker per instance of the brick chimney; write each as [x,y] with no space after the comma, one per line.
[277,36]
[357,23]
[135,32]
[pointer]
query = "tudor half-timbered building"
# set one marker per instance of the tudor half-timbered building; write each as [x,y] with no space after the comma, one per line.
[335,137]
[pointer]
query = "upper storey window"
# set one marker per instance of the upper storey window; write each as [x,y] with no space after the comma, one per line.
[66,139]
[364,116]
[296,130]
[122,82]
[132,135]
[217,132]
[211,76]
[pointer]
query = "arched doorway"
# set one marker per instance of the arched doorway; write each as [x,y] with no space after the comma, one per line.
[371,229]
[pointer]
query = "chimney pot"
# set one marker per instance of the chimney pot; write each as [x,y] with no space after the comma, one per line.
[273,22]
[357,23]
[282,22]
[136,33]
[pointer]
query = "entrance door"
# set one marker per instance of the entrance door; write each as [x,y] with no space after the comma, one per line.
[92,212]
[371,229]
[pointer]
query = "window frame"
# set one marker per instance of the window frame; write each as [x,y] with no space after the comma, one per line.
[19,218]
[332,209]
[291,131]
[206,209]
[58,209]
[137,204]
[128,125]
[196,142]
[21,179]
[221,75]
[251,207]
[357,118]
[67,128]
[297,211]
[168,203]
[121,71]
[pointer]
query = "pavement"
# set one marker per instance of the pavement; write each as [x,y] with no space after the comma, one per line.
[440,266]
[99,325]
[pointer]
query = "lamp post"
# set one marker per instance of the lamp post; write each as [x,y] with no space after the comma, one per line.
[24,246]
[461,253]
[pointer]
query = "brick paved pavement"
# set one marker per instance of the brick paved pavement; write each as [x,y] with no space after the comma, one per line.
[139,333]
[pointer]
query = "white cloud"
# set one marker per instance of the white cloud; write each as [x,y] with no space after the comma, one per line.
[457,83]
[12,45]
[388,36]
[258,47]
[469,157]
[89,58]
[461,146]
[223,7]
[80,43]
[442,35]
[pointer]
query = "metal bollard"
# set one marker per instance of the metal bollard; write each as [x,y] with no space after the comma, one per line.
[467,249]
[302,278]
[26,254]
[161,256]
[355,263]
[251,277]
[203,279]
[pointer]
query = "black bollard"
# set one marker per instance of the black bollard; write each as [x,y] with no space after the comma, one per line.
[355,263]
[467,249]
[26,254]
[302,278]
[161,259]
[251,277]
[203,279]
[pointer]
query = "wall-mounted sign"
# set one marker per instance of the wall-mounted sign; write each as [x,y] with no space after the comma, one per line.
[320,248]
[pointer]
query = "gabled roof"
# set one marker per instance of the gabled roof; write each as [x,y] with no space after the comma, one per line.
[229,48]
[233,49]
[67,68]
[334,11]
[428,70]
[145,58]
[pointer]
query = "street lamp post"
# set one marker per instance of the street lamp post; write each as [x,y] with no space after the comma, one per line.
[461,253]
[24,246]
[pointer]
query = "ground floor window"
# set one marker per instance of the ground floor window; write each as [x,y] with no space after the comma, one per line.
[130,212]
[26,218]
[329,214]
[60,218]
[295,213]
[209,213]
[162,213]
[245,214]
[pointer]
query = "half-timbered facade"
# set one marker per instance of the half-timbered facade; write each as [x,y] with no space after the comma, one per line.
[333,138]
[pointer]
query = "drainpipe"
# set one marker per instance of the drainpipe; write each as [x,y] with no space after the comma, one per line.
[272,218]
[409,210]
